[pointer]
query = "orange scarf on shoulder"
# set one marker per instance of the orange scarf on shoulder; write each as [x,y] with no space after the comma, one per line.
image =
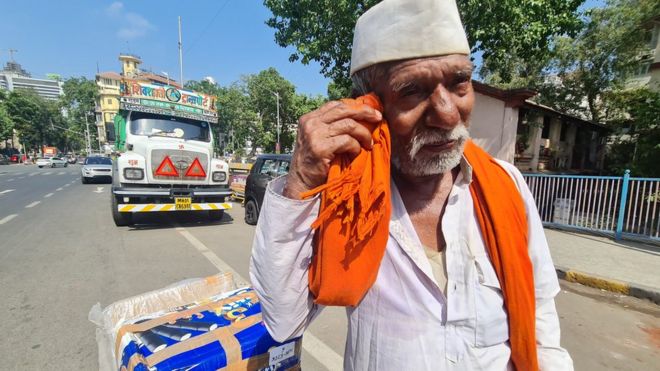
[353,229]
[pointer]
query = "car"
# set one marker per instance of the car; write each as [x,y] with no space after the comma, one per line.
[96,168]
[4,160]
[266,168]
[72,160]
[51,162]
[15,158]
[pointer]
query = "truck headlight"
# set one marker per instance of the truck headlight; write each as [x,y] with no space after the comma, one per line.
[219,176]
[133,173]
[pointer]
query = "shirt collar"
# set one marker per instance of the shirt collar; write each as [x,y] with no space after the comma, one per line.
[465,175]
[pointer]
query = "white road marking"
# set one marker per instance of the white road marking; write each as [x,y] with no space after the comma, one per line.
[48,195]
[59,189]
[35,203]
[7,218]
[99,190]
[33,174]
[61,173]
[68,184]
[313,345]
[48,173]
[6,191]
[9,180]
[323,353]
[21,177]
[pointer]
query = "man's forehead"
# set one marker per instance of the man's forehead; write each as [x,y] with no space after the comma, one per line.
[448,63]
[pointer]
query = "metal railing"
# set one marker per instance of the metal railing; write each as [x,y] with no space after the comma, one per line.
[617,206]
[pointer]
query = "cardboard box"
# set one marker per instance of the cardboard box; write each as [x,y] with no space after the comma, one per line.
[217,332]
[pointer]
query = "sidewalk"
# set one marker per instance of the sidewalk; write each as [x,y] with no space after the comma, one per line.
[627,267]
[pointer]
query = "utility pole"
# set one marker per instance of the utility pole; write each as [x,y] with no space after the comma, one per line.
[277,145]
[89,144]
[180,55]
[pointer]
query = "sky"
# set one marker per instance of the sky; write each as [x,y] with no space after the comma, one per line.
[221,38]
[224,39]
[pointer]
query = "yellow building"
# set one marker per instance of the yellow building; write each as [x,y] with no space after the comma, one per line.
[107,104]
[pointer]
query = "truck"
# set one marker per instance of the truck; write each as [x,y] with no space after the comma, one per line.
[165,159]
[49,151]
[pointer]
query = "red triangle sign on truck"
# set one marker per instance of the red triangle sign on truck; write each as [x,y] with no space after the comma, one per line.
[166,168]
[196,170]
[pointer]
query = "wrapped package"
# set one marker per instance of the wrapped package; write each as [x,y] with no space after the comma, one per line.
[203,324]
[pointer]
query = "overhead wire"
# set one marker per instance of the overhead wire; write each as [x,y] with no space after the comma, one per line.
[206,28]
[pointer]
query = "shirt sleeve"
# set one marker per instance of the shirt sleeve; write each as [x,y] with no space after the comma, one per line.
[551,355]
[281,253]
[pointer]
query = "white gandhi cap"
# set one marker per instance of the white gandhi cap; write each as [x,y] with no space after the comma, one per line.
[403,29]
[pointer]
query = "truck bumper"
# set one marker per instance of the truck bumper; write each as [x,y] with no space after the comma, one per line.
[171,192]
[145,208]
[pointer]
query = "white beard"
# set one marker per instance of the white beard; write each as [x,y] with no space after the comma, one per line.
[407,159]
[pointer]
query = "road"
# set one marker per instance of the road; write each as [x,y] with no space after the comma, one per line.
[60,254]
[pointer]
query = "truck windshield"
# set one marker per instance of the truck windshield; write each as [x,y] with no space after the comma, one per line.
[167,126]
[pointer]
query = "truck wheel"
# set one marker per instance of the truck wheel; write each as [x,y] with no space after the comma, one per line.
[216,214]
[120,219]
[251,213]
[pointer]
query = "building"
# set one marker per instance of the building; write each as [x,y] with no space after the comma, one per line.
[647,72]
[107,104]
[512,127]
[13,77]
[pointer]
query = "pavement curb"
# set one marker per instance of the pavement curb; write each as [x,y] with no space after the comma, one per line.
[625,288]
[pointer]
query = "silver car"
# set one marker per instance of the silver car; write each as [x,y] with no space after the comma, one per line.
[52,162]
[96,167]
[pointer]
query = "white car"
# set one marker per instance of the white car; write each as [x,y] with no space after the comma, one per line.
[96,168]
[52,162]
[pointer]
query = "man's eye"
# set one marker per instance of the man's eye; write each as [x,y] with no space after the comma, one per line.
[409,91]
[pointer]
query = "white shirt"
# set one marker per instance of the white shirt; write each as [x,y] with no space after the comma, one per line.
[405,322]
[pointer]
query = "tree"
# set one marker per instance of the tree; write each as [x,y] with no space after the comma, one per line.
[79,103]
[247,111]
[322,30]
[33,117]
[636,146]
[6,124]
[598,59]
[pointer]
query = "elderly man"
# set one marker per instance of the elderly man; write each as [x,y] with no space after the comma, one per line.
[444,297]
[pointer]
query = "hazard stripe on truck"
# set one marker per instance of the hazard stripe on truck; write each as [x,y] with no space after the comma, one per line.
[145,208]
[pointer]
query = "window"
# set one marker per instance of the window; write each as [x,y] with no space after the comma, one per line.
[564,129]
[269,167]
[284,168]
[109,100]
[167,126]
[546,127]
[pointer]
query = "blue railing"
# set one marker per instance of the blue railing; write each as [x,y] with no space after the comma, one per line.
[623,207]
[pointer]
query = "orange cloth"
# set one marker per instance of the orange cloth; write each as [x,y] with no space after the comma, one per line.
[353,229]
[500,211]
[353,224]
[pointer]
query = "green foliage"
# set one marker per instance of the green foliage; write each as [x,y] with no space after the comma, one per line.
[503,30]
[598,59]
[32,117]
[635,116]
[6,124]
[247,112]
[79,102]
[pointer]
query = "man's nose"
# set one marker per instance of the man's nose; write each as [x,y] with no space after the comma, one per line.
[442,111]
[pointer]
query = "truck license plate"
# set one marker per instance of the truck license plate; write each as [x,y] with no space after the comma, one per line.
[182,203]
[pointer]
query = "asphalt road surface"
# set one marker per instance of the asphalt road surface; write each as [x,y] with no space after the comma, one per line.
[60,253]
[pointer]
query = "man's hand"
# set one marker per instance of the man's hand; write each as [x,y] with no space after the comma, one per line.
[331,130]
